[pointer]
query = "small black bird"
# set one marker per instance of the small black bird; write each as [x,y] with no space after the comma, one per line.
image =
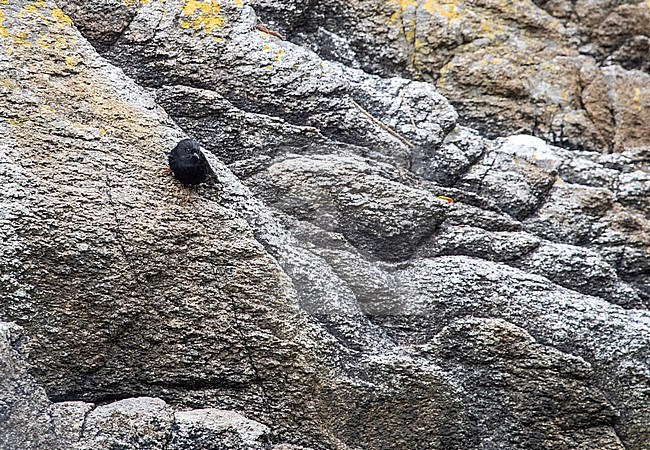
[188,163]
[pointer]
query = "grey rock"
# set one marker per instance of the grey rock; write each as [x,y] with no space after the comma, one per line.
[478,242]
[435,292]
[377,215]
[319,293]
[28,420]
[517,175]
[578,268]
[212,429]
[69,420]
[523,382]
[137,423]
[446,163]
[25,421]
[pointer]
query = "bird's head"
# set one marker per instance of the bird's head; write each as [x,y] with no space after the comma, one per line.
[192,152]
[191,148]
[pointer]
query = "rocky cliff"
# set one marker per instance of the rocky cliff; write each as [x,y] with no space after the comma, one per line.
[383,260]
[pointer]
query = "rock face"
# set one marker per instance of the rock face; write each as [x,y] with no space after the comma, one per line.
[30,421]
[322,292]
[573,72]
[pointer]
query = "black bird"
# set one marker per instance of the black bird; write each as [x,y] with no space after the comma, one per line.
[189,165]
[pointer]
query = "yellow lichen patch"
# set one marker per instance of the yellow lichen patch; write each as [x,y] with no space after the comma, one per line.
[71,62]
[636,99]
[50,41]
[6,82]
[444,8]
[241,3]
[410,34]
[60,17]
[20,38]
[134,2]
[14,121]
[266,47]
[491,27]
[401,6]
[445,198]
[278,55]
[3,30]
[202,15]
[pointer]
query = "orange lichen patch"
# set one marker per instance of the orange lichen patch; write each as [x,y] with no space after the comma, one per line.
[202,15]
[445,198]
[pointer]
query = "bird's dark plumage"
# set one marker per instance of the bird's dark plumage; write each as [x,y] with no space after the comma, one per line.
[188,163]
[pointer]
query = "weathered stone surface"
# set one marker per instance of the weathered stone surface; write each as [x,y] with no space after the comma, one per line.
[202,429]
[375,214]
[521,379]
[120,290]
[530,65]
[28,420]
[517,175]
[132,423]
[24,417]
[318,286]
[435,292]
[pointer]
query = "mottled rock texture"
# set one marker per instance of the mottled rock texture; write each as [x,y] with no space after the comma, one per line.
[574,72]
[322,292]
[30,421]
